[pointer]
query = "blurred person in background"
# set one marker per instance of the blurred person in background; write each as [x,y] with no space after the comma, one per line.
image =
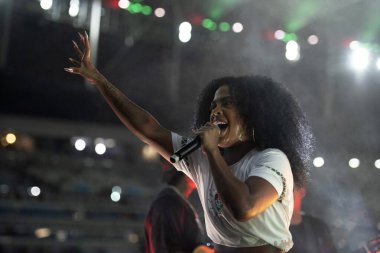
[312,235]
[171,224]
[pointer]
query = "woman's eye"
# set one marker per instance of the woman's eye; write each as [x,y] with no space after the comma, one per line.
[227,103]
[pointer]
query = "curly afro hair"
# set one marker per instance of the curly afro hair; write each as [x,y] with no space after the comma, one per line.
[271,115]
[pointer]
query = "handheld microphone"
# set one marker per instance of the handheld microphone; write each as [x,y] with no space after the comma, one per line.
[186,150]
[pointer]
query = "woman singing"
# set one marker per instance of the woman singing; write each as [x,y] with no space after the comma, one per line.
[255,144]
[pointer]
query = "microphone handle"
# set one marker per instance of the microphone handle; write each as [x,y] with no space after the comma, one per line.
[186,150]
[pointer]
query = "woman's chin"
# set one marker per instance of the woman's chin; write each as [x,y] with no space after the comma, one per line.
[223,143]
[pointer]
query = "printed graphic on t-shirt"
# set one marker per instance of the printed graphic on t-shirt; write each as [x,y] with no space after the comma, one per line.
[215,203]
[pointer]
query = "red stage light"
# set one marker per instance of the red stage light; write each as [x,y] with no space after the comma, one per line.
[196,19]
[113,4]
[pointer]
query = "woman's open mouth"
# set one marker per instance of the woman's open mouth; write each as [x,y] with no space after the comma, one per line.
[222,126]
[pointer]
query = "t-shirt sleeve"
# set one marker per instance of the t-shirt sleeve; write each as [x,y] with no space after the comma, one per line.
[273,166]
[188,164]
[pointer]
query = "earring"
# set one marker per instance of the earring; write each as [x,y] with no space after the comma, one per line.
[241,135]
[253,134]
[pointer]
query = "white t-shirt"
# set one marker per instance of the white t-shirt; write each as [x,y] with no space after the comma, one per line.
[269,227]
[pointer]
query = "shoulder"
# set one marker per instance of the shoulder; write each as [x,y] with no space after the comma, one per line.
[271,158]
[166,197]
[271,153]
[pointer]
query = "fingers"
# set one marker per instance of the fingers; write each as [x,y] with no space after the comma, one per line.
[87,47]
[75,62]
[205,128]
[73,70]
[81,37]
[85,54]
[202,129]
[76,48]
[211,126]
[70,70]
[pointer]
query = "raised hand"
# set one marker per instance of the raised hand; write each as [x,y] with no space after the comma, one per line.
[83,65]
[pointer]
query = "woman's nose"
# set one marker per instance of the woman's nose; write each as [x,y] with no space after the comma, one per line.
[216,110]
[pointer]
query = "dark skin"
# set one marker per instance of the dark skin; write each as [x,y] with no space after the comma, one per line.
[246,199]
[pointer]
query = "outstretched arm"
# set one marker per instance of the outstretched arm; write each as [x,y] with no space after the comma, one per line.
[137,120]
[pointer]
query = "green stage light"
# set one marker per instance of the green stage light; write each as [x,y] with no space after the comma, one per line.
[371,47]
[213,26]
[135,8]
[207,23]
[302,15]
[146,10]
[130,8]
[293,36]
[372,27]
[289,36]
[216,13]
[224,26]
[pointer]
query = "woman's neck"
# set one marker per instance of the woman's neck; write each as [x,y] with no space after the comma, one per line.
[234,153]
